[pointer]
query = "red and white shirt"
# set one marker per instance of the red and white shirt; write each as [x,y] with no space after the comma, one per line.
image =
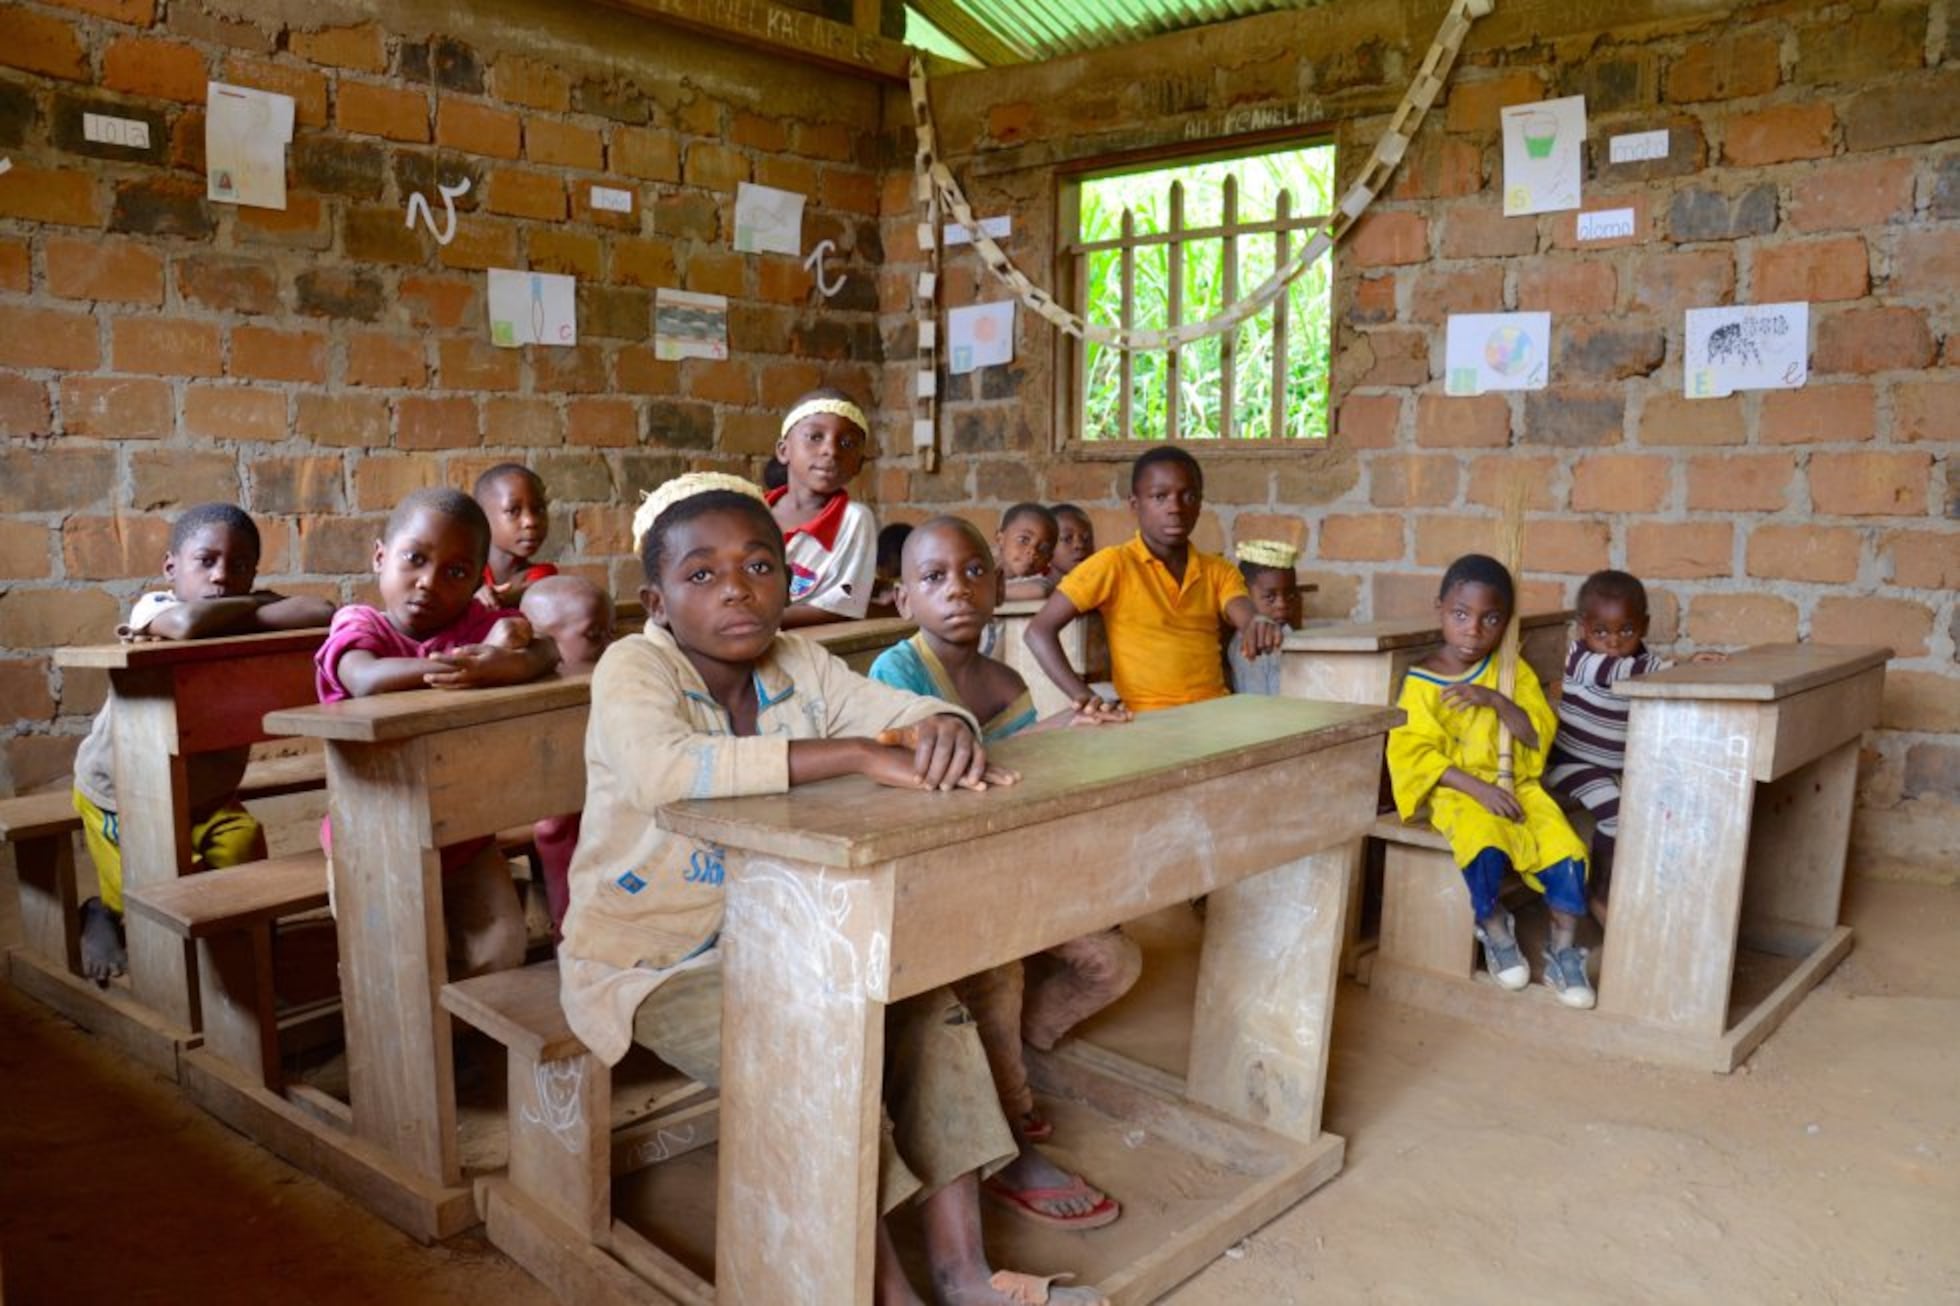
[833,557]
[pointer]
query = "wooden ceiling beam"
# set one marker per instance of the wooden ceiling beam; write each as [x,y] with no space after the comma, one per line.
[775,29]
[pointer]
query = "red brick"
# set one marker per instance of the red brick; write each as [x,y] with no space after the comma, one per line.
[343,420]
[824,140]
[231,285]
[1923,560]
[386,362]
[1621,482]
[262,354]
[1812,270]
[1412,480]
[561,144]
[297,225]
[427,423]
[1730,69]
[39,337]
[580,369]
[523,194]
[640,152]
[1493,475]
[730,381]
[715,167]
[1680,550]
[1823,554]
[168,477]
[478,129]
[137,13]
[1574,548]
[117,408]
[1441,540]
[307,87]
[1927,262]
[1851,193]
[1779,134]
[387,111]
[1475,289]
[1741,483]
[1438,167]
[24,407]
[381,482]
[1671,282]
[70,199]
[1371,537]
[1473,106]
[119,271]
[1870,484]
[850,192]
[24,690]
[16,272]
[717,274]
[755,132]
[41,43]
[699,115]
[1568,286]
[522,423]
[1444,421]
[1741,619]
[442,303]
[641,373]
[1818,414]
[782,281]
[1869,340]
[359,47]
[468,364]
[1671,419]
[612,423]
[1382,238]
[112,548]
[569,253]
[644,262]
[337,545]
[1371,302]
[1902,625]
[1363,421]
[234,412]
[785,173]
[165,70]
[481,243]
[531,83]
[1927,410]
[168,346]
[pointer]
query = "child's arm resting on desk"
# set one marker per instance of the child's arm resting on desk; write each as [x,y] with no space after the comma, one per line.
[1257,634]
[244,615]
[512,654]
[917,742]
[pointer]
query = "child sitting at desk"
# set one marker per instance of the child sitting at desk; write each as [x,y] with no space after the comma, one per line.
[1026,540]
[832,543]
[431,633]
[577,617]
[211,562]
[1267,566]
[513,497]
[1161,600]
[948,585]
[711,701]
[1444,761]
[1590,754]
[1075,538]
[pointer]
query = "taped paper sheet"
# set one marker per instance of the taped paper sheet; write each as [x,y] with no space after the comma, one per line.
[1496,351]
[245,136]
[1544,145]
[767,220]
[1751,347]
[532,308]
[1000,228]
[980,335]
[689,325]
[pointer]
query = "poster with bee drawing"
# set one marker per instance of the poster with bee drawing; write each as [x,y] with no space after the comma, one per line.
[1749,347]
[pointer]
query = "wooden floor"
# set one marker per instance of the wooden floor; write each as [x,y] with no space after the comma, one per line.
[1827,1170]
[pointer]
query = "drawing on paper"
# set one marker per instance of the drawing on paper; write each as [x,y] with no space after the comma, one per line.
[1751,347]
[689,325]
[768,220]
[1543,155]
[981,335]
[532,308]
[1496,351]
[245,136]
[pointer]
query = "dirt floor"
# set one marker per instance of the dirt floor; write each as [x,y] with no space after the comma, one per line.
[1826,1170]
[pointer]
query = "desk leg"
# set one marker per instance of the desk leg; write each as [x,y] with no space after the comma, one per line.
[1266,994]
[388,908]
[805,961]
[1678,872]
[153,811]
[1797,849]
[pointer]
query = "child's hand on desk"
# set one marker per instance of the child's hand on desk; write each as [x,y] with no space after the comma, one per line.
[1709,658]
[939,752]
[1261,635]
[476,666]
[1096,710]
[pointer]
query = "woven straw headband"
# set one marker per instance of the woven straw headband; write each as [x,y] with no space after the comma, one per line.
[686,486]
[1269,553]
[843,408]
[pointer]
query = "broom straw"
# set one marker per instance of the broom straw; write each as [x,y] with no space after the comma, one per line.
[1510,552]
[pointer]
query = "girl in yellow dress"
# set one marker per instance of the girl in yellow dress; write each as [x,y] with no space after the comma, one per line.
[1444,759]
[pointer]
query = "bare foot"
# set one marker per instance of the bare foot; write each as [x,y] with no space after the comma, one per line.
[1012,1288]
[103,952]
[1032,1171]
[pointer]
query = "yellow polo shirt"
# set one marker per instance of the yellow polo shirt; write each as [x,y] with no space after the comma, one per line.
[1163,636]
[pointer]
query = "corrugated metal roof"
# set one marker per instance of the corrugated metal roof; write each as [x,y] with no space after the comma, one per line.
[1019,31]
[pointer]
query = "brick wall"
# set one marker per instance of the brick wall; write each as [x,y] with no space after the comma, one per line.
[316,363]
[1816,156]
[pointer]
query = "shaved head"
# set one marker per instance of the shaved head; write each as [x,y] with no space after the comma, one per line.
[942,524]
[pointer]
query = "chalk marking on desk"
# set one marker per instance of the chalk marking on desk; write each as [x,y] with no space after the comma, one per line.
[559,1112]
[661,1146]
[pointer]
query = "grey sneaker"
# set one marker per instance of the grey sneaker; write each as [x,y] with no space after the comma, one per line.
[1565,971]
[1505,961]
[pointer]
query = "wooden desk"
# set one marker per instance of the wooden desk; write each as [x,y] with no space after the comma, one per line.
[844,897]
[407,774]
[1364,661]
[225,686]
[1083,641]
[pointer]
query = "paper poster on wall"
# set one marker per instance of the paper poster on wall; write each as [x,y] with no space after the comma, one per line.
[767,220]
[980,335]
[1750,347]
[688,325]
[246,132]
[1544,145]
[1496,351]
[999,228]
[532,308]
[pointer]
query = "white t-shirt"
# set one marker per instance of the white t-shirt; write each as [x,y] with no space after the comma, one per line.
[833,557]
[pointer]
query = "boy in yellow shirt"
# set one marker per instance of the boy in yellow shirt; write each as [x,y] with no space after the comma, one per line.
[1162,601]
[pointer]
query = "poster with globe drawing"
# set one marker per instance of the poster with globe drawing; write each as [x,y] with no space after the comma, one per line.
[1544,145]
[1497,351]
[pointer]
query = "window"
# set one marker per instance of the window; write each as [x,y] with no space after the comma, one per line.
[1163,245]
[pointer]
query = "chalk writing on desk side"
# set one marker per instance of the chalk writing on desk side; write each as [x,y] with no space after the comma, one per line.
[559,1084]
[662,1145]
[816,910]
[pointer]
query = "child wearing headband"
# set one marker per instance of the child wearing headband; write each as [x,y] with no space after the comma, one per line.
[831,542]
[711,701]
[1267,566]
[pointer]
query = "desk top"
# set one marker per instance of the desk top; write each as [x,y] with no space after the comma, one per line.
[1761,674]
[386,717]
[1384,636]
[853,821]
[847,637]
[175,652]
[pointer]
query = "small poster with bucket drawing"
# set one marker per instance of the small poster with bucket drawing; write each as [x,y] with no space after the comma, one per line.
[1544,152]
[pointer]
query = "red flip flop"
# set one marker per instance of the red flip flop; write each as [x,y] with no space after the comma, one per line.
[1022,1201]
[1035,1128]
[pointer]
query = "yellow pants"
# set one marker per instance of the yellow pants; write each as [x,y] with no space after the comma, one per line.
[230,836]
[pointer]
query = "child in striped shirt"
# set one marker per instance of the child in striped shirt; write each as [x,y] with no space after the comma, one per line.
[1590,752]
